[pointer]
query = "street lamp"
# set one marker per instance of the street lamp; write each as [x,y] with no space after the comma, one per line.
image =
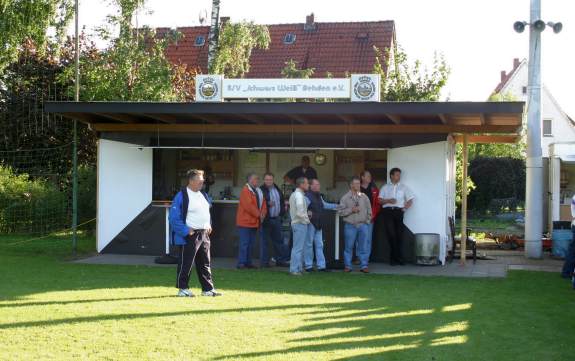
[534,161]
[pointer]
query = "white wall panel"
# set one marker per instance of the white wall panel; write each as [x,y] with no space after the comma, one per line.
[424,171]
[124,187]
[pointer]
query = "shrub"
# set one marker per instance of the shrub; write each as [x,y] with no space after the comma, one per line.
[30,205]
[497,178]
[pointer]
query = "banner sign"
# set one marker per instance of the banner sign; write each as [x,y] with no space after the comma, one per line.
[360,87]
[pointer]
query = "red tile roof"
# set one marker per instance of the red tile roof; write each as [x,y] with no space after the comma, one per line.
[331,47]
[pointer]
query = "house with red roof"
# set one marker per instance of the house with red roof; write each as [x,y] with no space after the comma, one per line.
[331,47]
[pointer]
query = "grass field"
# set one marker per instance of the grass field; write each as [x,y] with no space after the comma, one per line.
[54,310]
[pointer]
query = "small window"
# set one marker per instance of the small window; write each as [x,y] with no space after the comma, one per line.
[200,40]
[289,38]
[547,129]
[524,90]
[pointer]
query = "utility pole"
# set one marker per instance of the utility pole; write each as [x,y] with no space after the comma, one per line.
[534,161]
[75,139]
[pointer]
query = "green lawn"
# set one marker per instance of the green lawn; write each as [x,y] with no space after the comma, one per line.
[51,309]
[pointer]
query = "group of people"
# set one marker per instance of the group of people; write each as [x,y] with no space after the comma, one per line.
[366,210]
[261,208]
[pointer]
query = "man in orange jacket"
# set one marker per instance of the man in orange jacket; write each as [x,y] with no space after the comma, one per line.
[251,212]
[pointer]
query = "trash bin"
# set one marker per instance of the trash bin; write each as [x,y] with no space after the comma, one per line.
[427,249]
[561,239]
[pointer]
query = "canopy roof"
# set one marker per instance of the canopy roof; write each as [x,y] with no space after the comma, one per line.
[289,124]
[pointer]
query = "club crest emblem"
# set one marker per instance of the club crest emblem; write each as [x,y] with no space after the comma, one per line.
[208,88]
[364,88]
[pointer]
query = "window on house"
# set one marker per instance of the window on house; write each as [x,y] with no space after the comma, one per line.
[289,38]
[547,130]
[200,41]
[524,90]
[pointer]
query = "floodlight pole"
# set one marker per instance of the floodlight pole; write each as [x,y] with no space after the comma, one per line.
[534,161]
[75,139]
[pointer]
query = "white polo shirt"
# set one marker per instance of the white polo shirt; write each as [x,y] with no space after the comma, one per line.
[198,216]
[400,192]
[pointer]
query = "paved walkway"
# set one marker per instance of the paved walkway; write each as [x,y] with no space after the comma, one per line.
[496,266]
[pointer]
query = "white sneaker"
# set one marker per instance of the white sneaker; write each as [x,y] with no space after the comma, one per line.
[296,273]
[212,293]
[185,293]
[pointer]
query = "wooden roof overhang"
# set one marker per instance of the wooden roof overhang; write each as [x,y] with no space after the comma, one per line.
[325,124]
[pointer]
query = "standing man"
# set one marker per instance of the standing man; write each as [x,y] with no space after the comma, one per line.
[299,224]
[304,170]
[190,228]
[396,199]
[251,212]
[369,188]
[272,224]
[569,264]
[314,231]
[356,213]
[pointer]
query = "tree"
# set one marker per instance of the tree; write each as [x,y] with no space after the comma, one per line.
[406,82]
[236,42]
[290,70]
[29,82]
[22,21]
[134,67]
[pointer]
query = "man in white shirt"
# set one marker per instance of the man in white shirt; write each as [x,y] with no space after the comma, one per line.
[396,198]
[190,228]
[569,264]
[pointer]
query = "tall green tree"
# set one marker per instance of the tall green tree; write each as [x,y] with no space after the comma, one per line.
[236,41]
[24,21]
[406,81]
[134,67]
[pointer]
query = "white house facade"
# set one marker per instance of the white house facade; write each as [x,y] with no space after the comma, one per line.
[557,142]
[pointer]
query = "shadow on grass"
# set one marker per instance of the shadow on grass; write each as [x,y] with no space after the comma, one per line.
[377,316]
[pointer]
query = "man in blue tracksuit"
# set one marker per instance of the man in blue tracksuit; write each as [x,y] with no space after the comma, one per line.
[190,228]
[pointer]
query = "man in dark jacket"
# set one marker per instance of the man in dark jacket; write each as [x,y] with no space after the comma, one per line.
[304,170]
[190,228]
[316,206]
[272,224]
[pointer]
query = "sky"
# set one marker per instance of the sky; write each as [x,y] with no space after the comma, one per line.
[475,36]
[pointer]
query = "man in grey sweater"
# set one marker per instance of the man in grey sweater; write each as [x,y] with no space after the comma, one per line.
[356,212]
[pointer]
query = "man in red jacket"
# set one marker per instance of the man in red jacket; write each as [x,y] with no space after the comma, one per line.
[369,188]
[251,212]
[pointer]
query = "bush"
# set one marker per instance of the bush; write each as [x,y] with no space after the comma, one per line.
[86,195]
[30,205]
[499,181]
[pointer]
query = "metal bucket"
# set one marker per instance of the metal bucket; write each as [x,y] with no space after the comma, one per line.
[427,248]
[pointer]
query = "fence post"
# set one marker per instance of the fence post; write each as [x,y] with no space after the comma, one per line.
[464,203]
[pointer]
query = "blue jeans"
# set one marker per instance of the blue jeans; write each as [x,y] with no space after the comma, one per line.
[247,240]
[369,238]
[359,234]
[299,239]
[569,264]
[314,241]
[272,229]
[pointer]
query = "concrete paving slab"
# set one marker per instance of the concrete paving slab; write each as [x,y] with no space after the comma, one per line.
[494,268]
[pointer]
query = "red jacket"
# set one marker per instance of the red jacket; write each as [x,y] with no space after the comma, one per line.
[375,205]
[249,210]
